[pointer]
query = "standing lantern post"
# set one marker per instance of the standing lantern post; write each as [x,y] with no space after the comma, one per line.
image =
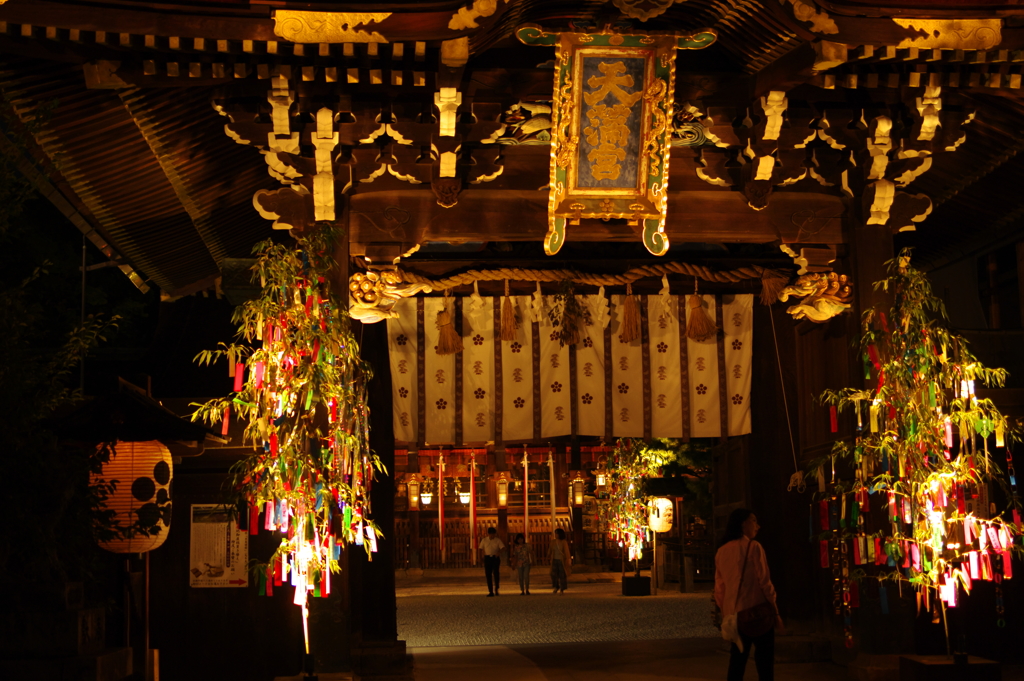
[551,479]
[440,503]
[526,494]
[472,508]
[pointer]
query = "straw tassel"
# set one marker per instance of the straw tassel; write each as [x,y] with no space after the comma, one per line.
[699,327]
[630,318]
[772,283]
[449,341]
[508,318]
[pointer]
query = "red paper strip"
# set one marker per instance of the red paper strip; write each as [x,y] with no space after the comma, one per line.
[1007,564]
[254,519]
[239,376]
[270,580]
[873,355]
[824,516]
[856,551]
[258,375]
[278,581]
[880,557]
[833,418]
[225,422]
[824,553]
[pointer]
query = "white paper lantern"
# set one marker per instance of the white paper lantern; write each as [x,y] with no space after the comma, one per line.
[661,513]
[142,500]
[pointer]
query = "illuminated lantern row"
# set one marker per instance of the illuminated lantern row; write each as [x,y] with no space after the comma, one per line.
[921,451]
[302,395]
[141,500]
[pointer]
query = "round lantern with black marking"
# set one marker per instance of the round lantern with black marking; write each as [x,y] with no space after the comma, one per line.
[141,501]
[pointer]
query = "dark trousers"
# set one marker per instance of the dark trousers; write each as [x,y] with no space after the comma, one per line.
[764,657]
[492,568]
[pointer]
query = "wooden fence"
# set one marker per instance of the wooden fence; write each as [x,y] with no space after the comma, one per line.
[459,548]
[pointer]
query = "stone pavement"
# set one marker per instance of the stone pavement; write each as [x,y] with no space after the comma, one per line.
[592,632]
[455,633]
[465,616]
[696,659]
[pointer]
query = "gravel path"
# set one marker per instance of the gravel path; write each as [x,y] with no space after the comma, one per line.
[586,612]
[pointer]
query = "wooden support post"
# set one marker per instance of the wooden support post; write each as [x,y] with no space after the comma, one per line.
[994,321]
[1020,278]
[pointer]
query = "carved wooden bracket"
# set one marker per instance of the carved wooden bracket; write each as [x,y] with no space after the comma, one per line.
[824,294]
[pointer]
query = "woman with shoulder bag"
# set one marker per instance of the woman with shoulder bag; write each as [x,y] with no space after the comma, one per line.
[746,596]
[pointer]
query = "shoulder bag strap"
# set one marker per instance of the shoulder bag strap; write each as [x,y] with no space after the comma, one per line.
[743,572]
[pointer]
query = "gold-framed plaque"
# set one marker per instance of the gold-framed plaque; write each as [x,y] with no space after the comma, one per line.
[610,135]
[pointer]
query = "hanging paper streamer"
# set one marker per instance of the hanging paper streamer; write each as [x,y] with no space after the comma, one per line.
[307,469]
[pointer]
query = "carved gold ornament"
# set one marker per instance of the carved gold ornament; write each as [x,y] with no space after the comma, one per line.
[374,293]
[825,295]
[466,16]
[300,26]
[953,34]
[644,9]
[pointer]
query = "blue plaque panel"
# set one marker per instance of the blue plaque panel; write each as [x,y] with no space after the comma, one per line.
[610,116]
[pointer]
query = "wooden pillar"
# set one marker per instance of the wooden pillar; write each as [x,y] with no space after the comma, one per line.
[871,248]
[994,321]
[1020,279]
[376,650]
[413,467]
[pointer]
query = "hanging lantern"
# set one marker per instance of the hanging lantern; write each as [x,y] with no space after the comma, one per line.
[463,496]
[427,492]
[601,474]
[660,514]
[502,485]
[577,489]
[414,493]
[142,500]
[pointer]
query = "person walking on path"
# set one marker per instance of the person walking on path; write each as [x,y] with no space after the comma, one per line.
[560,561]
[492,547]
[742,583]
[522,558]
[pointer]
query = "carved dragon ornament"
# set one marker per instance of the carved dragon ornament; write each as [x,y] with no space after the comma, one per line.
[824,294]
